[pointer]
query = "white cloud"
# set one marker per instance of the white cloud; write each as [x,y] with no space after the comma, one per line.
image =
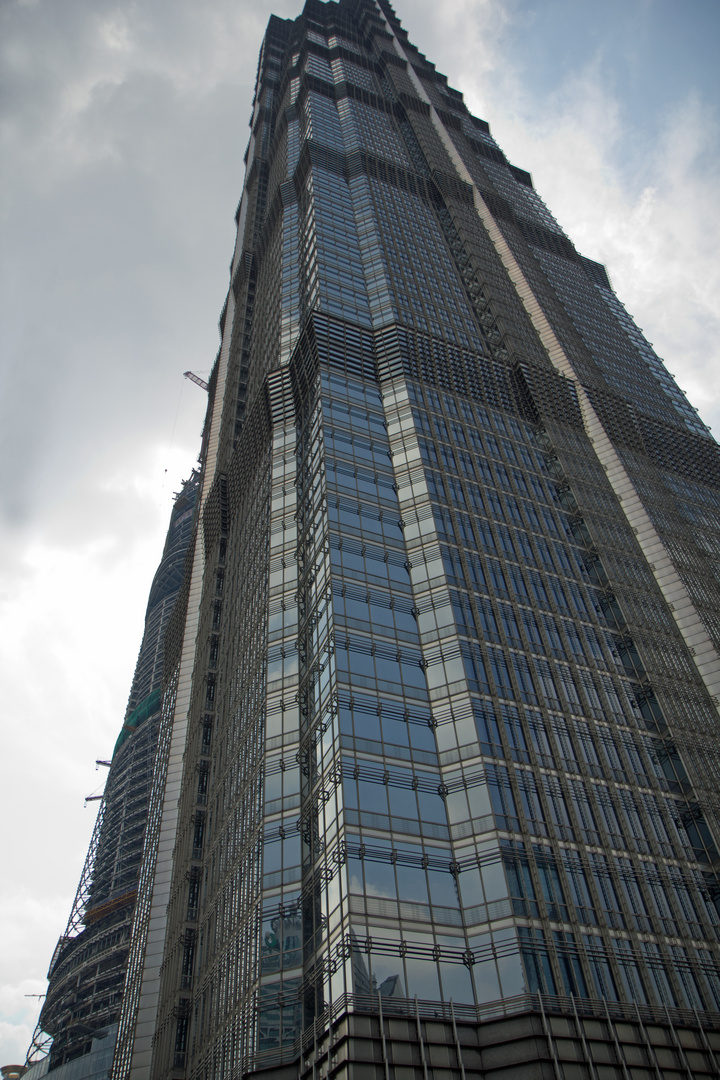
[668,266]
[14,1041]
[30,923]
[114,31]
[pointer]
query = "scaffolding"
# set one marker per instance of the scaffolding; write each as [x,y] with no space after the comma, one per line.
[87,969]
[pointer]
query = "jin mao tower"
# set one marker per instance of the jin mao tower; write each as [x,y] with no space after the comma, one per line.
[436,786]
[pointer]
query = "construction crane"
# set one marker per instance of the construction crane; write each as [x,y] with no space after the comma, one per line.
[99,762]
[196,379]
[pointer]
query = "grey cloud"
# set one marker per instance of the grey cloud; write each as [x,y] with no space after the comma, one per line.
[127,127]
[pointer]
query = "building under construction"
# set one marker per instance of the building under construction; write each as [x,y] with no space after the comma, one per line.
[87,970]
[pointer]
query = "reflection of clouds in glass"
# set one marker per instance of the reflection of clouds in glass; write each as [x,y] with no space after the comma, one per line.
[412,884]
[422,978]
[374,890]
[380,880]
[487,986]
[356,885]
[511,975]
[494,882]
[456,983]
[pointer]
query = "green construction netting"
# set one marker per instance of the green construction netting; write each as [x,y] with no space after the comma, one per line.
[138,716]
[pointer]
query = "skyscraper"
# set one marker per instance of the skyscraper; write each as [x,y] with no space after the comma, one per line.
[87,970]
[436,783]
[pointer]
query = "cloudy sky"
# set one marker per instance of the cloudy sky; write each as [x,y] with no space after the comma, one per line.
[124,125]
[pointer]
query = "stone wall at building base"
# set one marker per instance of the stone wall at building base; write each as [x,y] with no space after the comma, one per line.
[583,1042]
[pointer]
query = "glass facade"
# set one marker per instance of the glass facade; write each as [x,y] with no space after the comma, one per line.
[452,736]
